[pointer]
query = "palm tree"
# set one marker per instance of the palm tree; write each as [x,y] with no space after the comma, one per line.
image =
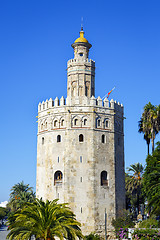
[143,128]
[134,184]
[20,187]
[20,194]
[149,123]
[44,220]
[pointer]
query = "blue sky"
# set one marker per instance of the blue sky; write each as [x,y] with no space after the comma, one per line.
[35,44]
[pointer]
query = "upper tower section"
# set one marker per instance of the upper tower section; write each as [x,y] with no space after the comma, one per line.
[81,47]
[80,71]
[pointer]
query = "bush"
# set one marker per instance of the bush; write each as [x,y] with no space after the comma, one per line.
[144,234]
[149,223]
[92,236]
[122,223]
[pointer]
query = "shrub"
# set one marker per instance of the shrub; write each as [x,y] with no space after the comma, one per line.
[92,236]
[149,223]
[144,234]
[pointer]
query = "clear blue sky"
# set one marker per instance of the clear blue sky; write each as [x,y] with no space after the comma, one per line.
[35,44]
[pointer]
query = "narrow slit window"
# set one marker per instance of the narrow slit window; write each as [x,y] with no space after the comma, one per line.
[99,122]
[58,159]
[106,124]
[59,138]
[42,140]
[81,179]
[81,138]
[80,159]
[81,209]
[103,138]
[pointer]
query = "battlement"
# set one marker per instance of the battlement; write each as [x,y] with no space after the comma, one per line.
[74,60]
[97,102]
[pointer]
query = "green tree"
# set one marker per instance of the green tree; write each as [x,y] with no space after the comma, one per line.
[20,194]
[44,220]
[3,213]
[134,186]
[149,123]
[151,181]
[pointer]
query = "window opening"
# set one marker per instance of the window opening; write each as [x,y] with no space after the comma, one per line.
[81,209]
[99,123]
[85,121]
[81,54]
[42,140]
[81,159]
[104,180]
[106,124]
[59,138]
[62,123]
[58,176]
[75,121]
[55,123]
[58,159]
[81,179]
[103,138]
[81,138]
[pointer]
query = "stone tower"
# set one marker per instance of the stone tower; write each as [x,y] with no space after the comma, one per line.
[80,147]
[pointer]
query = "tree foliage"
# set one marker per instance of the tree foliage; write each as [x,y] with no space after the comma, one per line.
[3,213]
[133,180]
[20,194]
[44,220]
[151,181]
[149,123]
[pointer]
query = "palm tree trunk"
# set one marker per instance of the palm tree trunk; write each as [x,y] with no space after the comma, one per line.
[152,141]
[148,148]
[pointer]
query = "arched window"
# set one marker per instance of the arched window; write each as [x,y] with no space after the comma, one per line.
[106,124]
[75,122]
[55,123]
[46,125]
[103,138]
[85,121]
[58,176]
[62,122]
[81,138]
[104,180]
[99,123]
[59,138]
[42,126]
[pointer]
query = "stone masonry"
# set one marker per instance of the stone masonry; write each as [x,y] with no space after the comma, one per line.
[80,147]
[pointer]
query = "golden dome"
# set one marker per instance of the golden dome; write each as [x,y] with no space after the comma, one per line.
[81,38]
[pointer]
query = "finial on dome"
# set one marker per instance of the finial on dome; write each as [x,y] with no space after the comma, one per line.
[81,23]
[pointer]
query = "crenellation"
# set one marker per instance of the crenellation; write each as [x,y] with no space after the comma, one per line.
[93,101]
[106,103]
[56,102]
[62,101]
[50,103]
[99,101]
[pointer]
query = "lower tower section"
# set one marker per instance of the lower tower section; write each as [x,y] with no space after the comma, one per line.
[80,159]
